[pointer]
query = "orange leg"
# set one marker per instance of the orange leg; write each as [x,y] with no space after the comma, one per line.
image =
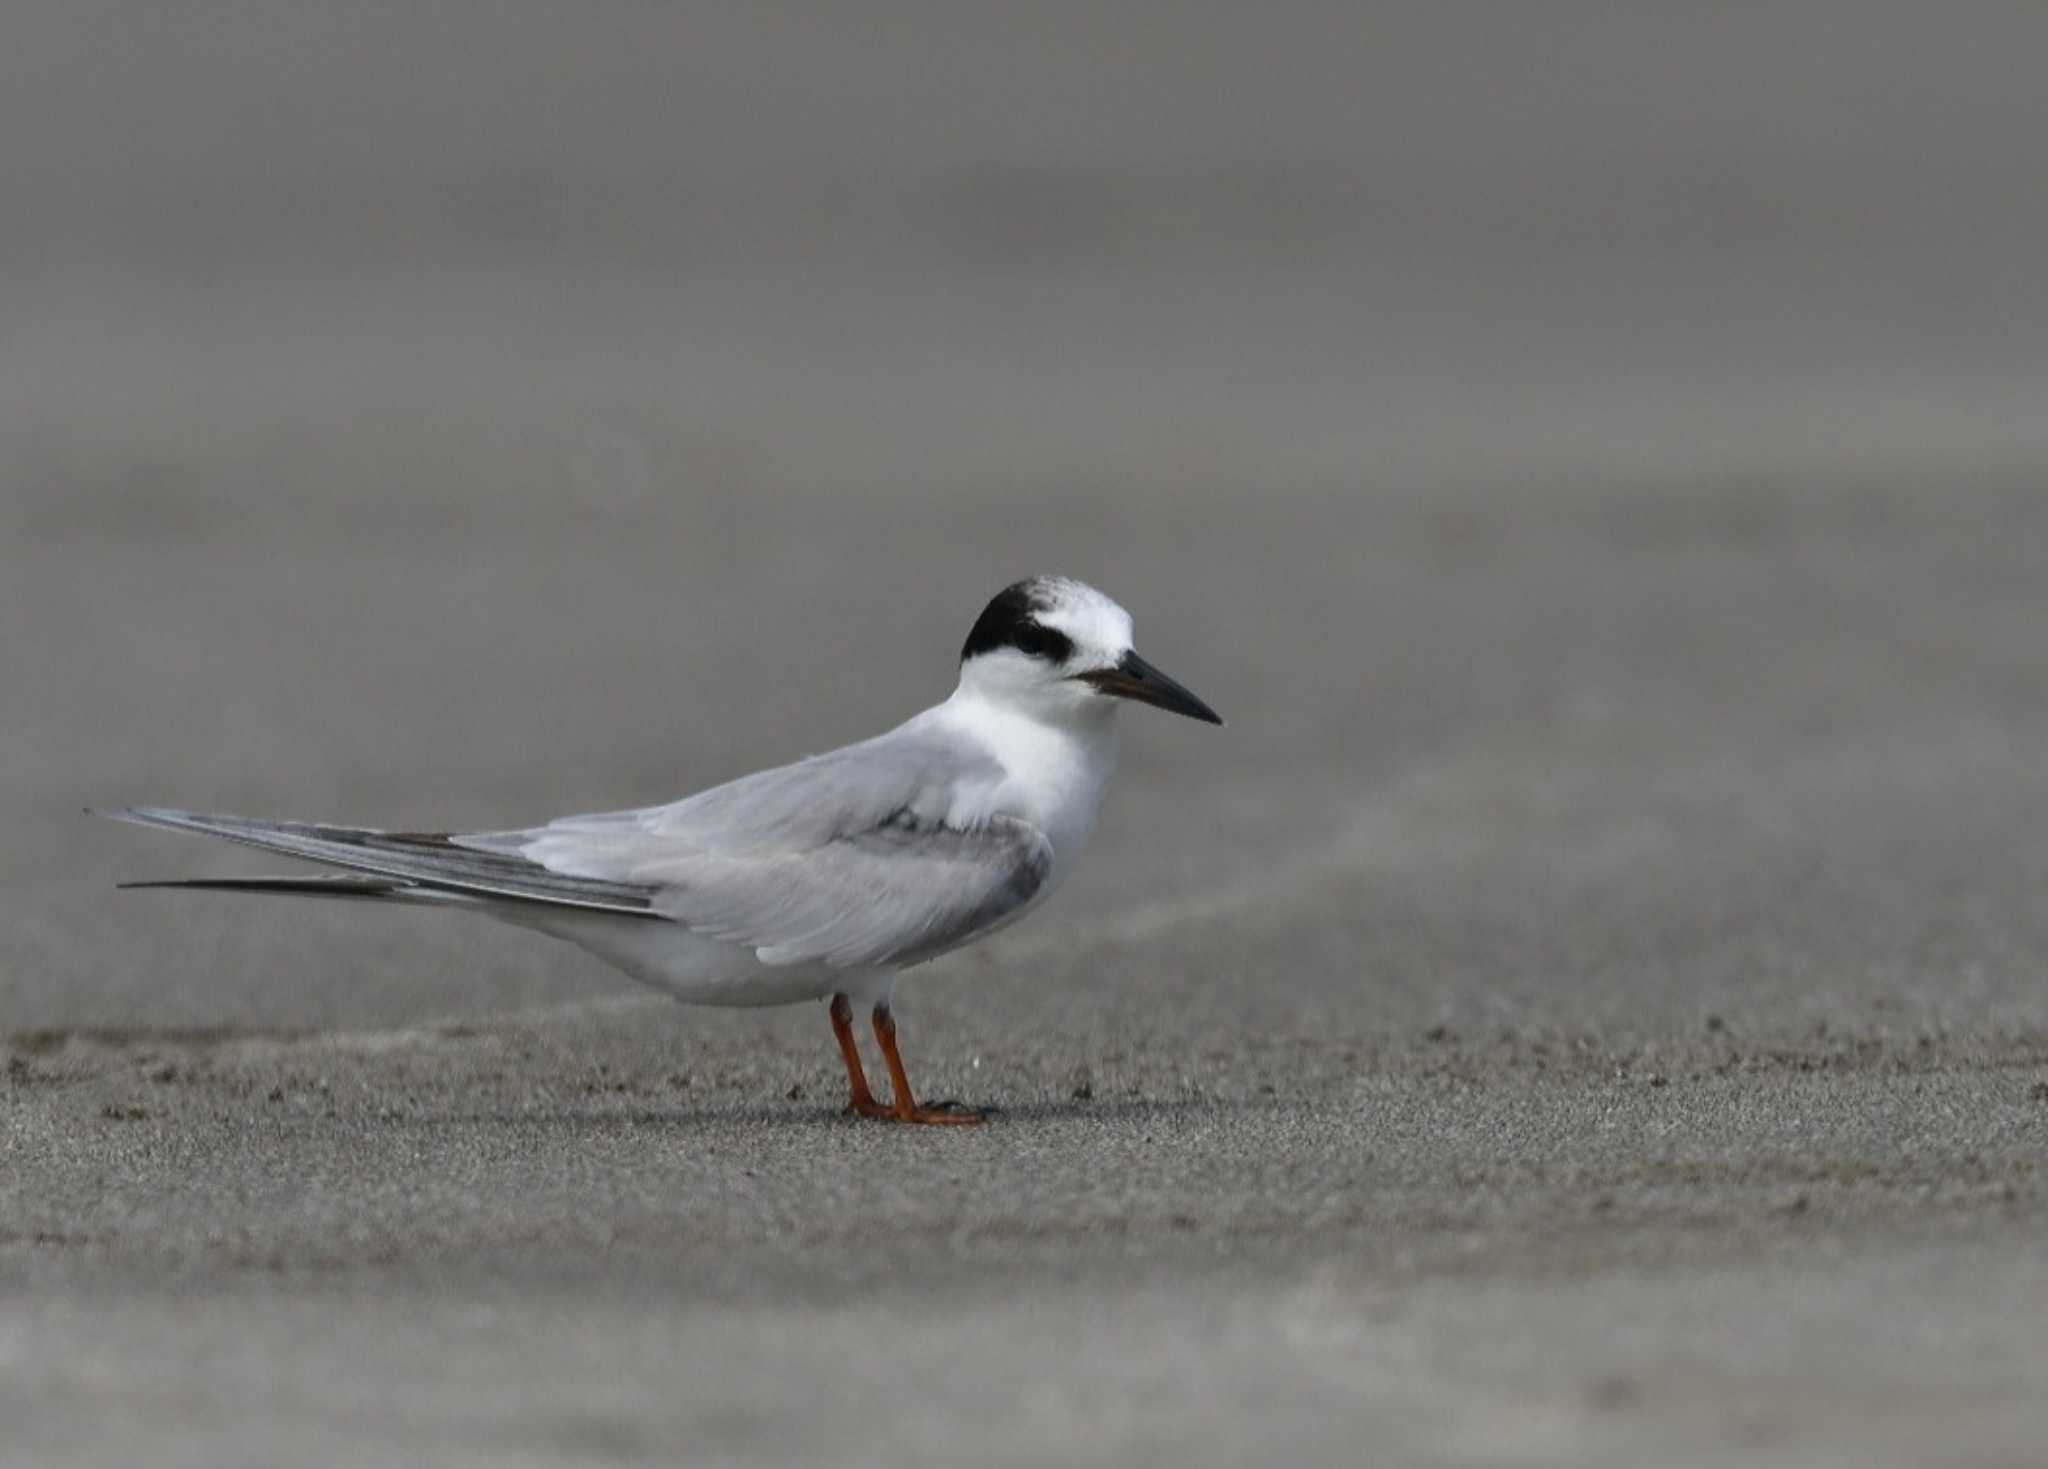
[862,1101]
[907,1108]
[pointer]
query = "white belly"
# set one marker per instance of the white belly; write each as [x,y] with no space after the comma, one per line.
[692,968]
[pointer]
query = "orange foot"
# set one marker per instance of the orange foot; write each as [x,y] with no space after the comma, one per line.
[862,1102]
[927,1112]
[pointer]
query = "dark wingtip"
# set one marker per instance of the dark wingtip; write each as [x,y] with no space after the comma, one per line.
[317,887]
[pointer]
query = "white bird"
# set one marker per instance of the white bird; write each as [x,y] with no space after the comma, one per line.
[818,880]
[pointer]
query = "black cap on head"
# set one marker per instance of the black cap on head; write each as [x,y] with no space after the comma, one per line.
[1011,621]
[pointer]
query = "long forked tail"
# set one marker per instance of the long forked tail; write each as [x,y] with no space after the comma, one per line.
[419,866]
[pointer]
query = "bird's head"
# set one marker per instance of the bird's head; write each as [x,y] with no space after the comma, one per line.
[1058,648]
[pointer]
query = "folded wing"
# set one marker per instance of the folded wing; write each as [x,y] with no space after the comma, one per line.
[879,854]
[891,897]
[876,854]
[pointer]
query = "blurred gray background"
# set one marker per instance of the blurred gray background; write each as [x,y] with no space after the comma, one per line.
[1593,454]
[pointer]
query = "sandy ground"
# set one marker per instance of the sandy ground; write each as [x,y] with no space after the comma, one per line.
[1590,1005]
[1593,1008]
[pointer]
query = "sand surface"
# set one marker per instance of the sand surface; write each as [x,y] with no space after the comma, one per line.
[1589,1006]
[1597,1010]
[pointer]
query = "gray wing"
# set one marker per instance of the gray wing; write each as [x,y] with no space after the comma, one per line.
[894,896]
[909,771]
[874,854]
[424,859]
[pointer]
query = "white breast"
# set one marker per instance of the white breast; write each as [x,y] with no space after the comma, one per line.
[1054,774]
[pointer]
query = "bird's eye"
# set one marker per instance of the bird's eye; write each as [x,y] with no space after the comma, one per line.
[1031,641]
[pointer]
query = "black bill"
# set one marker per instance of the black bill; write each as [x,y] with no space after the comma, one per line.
[1134,678]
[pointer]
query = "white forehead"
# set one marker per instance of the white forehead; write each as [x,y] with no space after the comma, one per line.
[1091,619]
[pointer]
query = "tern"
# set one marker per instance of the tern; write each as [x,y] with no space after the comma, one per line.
[820,880]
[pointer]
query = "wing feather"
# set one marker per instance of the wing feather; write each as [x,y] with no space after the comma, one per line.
[894,896]
[878,854]
[427,858]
